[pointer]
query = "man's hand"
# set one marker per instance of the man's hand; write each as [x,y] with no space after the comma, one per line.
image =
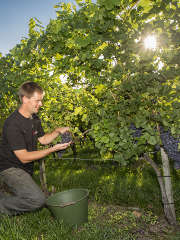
[61,146]
[62,130]
[49,137]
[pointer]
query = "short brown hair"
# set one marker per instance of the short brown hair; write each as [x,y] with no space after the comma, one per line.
[28,89]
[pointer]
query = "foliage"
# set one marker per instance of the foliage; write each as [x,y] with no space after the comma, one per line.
[111,80]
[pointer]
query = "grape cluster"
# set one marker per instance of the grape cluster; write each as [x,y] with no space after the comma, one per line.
[65,138]
[137,132]
[170,145]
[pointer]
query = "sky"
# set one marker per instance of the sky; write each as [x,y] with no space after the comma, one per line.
[15,15]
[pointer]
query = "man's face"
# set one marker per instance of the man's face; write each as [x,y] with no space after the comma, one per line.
[34,103]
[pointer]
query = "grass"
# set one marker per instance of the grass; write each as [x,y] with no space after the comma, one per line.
[124,204]
[105,222]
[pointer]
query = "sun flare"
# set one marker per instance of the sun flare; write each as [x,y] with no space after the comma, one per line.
[150,42]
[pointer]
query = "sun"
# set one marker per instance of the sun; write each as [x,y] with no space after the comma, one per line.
[150,42]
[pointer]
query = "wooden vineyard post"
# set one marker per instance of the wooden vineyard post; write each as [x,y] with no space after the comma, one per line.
[43,178]
[168,185]
[166,190]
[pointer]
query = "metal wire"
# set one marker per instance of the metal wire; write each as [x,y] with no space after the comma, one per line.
[91,159]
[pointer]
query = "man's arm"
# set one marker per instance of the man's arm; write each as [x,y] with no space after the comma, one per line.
[49,137]
[25,157]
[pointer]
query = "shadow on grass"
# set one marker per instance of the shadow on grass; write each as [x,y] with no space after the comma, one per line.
[107,182]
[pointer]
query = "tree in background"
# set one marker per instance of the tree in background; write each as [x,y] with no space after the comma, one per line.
[112,82]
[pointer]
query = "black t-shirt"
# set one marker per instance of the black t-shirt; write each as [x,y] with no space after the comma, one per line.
[19,133]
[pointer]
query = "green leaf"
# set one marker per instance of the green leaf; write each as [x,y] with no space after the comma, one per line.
[152,140]
[105,139]
[78,110]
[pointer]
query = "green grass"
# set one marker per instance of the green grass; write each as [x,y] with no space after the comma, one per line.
[105,222]
[124,204]
[112,184]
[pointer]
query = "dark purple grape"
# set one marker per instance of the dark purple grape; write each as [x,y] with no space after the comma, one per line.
[137,132]
[65,138]
[170,145]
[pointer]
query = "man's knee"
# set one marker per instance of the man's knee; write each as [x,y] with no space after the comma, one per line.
[33,201]
[38,200]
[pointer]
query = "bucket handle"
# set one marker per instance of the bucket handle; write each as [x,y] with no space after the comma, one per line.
[70,203]
[65,205]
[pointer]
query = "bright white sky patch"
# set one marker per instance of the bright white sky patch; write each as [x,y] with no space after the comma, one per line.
[150,42]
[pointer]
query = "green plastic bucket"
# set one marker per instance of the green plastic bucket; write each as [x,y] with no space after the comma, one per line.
[71,206]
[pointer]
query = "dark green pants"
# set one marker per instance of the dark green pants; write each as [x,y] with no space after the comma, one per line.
[25,195]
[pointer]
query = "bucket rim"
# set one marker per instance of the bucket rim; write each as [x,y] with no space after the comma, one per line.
[69,203]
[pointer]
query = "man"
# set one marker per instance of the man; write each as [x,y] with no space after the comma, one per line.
[18,150]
